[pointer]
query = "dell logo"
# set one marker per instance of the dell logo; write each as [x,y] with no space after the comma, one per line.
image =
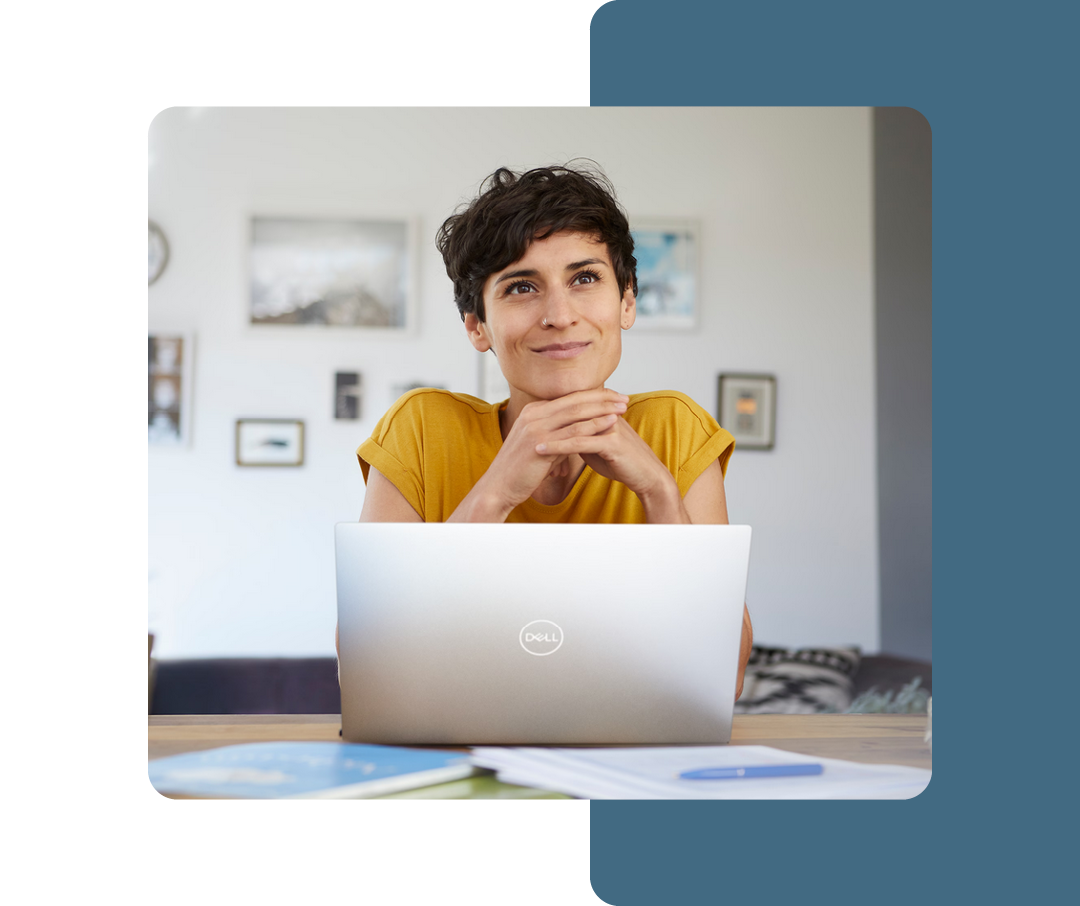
[541,637]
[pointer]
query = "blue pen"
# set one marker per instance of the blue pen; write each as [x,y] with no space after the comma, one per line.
[762,770]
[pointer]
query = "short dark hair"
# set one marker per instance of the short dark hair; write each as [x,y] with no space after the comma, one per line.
[515,209]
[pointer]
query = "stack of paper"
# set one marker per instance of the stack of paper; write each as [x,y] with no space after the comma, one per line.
[653,773]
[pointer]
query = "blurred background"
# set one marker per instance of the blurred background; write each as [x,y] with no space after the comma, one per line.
[814,228]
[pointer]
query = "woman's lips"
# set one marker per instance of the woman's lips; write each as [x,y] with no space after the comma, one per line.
[562,350]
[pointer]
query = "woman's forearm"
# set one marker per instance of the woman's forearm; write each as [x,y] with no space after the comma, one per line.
[745,645]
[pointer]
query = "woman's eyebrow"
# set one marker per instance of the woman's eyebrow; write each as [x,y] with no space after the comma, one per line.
[511,274]
[585,263]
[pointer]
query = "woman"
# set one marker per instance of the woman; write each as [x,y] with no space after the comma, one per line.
[544,278]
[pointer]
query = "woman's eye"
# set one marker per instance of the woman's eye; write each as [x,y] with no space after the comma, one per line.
[516,289]
[587,277]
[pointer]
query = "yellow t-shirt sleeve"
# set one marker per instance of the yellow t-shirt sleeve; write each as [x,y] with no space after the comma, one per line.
[395,448]
[708,441]
[685,437]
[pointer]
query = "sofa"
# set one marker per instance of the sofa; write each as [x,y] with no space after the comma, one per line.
[310,685]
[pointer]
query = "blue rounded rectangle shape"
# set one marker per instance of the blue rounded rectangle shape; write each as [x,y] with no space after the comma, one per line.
[760,770]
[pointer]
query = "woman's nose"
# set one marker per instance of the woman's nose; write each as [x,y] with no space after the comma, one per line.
[559,308]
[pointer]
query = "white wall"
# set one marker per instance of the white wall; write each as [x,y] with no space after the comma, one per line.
[241,560]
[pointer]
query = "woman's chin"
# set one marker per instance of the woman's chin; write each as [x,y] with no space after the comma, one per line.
[553,386]
[557,391]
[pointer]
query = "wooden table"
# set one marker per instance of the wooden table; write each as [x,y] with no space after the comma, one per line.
[869,738]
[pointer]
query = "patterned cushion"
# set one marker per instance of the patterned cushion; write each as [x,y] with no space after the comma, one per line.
[806,681]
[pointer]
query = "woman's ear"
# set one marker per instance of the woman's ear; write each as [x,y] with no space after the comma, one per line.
[629,308]
[477,332]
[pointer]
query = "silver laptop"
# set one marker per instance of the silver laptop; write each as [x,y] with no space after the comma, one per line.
[539,634]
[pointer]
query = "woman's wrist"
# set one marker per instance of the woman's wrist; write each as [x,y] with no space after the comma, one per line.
[482,504]
[663,503]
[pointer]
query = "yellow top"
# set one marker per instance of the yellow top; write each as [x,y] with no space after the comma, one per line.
[434,446]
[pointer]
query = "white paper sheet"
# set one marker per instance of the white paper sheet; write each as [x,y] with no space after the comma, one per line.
[653,773]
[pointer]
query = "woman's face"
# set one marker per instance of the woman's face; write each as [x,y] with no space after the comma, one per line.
[555,317]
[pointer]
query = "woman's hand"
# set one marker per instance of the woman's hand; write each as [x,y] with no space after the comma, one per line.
[618,453]
[522,464]
[519,468]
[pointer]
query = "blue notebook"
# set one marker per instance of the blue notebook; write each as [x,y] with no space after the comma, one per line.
[305,770]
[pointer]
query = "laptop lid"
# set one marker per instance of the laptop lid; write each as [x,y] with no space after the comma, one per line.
[468,634]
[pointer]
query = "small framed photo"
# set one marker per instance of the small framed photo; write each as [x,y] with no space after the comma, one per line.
[748,409]
[348,395]
[269,442]
[667,271]
[170,383]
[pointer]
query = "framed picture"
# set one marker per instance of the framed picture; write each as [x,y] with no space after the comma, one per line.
[269,442]
[667,253]
[169,388]
[748,409]
[331,273]
[348,395]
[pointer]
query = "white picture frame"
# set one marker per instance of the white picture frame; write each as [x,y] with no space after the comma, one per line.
[331,272]
[269,442]
[668,253]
